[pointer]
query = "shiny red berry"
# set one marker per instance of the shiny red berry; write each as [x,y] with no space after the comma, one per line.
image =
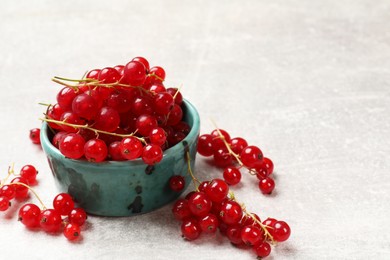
[50,220]
[262,250]
[181,209]
[4,203]
[281,231]
[267,185]
[29,173]
[251,156]
[232,175]
[190,229]
[230,212]
[177,183]
[217,190]
[72,231]
[21,191]
[205,145]
[63,204]
[199,204]
[252,235]
[152,154]
[8,191]
[35,135]
[29,215]
[209,223]
[77,216]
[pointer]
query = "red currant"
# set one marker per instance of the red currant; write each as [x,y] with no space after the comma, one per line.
[72,231]
[181,209]
[175,116]
[252,235]
[107,119]
[93,74]
[205,145]
[58,137]
[233,233]
[134,73]
[131,148]
[217,190]
[35,135]
[178,97]
[72,146]
[238,144]
[145,124]
[71,118]
[84,106]
[50,220]
[143,61]
[114,151]
[267,185]
[190,229]
[109,75]
[209,223]
[263,249]
[158,72]
[65,98]
[21,191]
[281,231]
[8,191]
[231,212]
[157,136]
[77,216]
[152,154]
[95,150]
[163,103]
[29,173]
[222,158]
[177,183]
[232,175]
[199,204]
[29,215]
[269,165]
[63,204]
[4,203]
[251,156]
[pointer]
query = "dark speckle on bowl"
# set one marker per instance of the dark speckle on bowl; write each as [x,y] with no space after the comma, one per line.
[136,206]
[138,189]
[149,169]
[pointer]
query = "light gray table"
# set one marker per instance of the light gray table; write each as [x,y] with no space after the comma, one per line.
[307,81]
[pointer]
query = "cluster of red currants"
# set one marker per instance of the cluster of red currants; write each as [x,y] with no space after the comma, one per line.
[119,113]
[51,221]
[212,207]
[227,152]
[31,215]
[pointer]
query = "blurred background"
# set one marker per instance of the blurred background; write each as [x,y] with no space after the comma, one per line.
[306,81]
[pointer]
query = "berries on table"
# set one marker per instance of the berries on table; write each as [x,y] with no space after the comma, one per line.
[72,231]
[29,173]
[29,215]
[35,135]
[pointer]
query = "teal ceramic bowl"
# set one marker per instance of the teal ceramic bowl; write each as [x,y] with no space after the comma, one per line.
[124,188]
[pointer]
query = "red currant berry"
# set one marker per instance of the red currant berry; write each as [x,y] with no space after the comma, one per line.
[134,73]
[252,235]
[261,171]
[58,137]
[50,220]
[181,209]
[109,75]
[218,142]
[143,61]
[262,250]
[72,231]
[141,106]
[182,127]
[269,223]
[114,151]
[231,212]
[95,150]
[232,175]
[152,154]
[63,204]
[205,145]
[233,233]
[77,216]
[21,191]
[121,101]
[190,229]
[145,124]
[251,156]
[199,204]
[35,135]
[55,113]
[163,103]
[156,87]
[238,144]
[8,191]
[4,203]
[175,116]
[29,215]
[202,186]
[65,98]
[72,146]
[177,183]
[71,118]
[189,194]
[84,106]
[178,97]
[131,148]
[269,165]
[267,185]
[158,73]
[281,231]
[119,68]
[29,173]
[209,223]
[157,136]
[217,190]
[222,158]
[107,119]
[248,220]
[93,74]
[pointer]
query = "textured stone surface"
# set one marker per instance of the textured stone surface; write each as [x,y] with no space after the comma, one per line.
[308,81]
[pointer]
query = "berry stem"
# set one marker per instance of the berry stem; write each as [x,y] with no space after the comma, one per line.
[194,179]
[31,189]
[97,131]
[10,172]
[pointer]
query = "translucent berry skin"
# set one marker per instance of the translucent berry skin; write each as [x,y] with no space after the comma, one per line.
[159,72]
[177,183]
[237,144]
[281,231]
[252,235]
[203,185]
[199,204]
[249,221]
[120,101]
[114,151]
[181,209]
[217,190]
[95,150]
[8,191]
[190,229]
[4,203]
[21,192]
[58,137]
[107,119]
[269,222]
[266,185]
[218,142]
[29,215]
[157,136]
[269,165]
[55,113]
[72,231]
[233,233]
[63,204]
[93,74]
[145,124]
[230,212]
[163,103]
[134,73]
[143,61]
[152,154]
[232,175]
[251,156]
[178,97]
[35,135]
[84,106]
[222,158]
[65,98]
[131,148]
[77,216]
[71,118]
[141,106]
[72,146]
[109,75]
[205,145]
[50,220]
[262,250]
[175,115]
[209,223]
[29,173]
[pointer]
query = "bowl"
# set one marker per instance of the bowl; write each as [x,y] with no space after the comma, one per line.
[123,188]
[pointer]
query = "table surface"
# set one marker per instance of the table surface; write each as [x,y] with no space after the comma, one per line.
[307,81]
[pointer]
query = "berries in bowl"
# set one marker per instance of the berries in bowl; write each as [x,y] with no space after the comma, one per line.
[116,138]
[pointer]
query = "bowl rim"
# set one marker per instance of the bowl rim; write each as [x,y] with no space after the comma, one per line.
[49,148]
